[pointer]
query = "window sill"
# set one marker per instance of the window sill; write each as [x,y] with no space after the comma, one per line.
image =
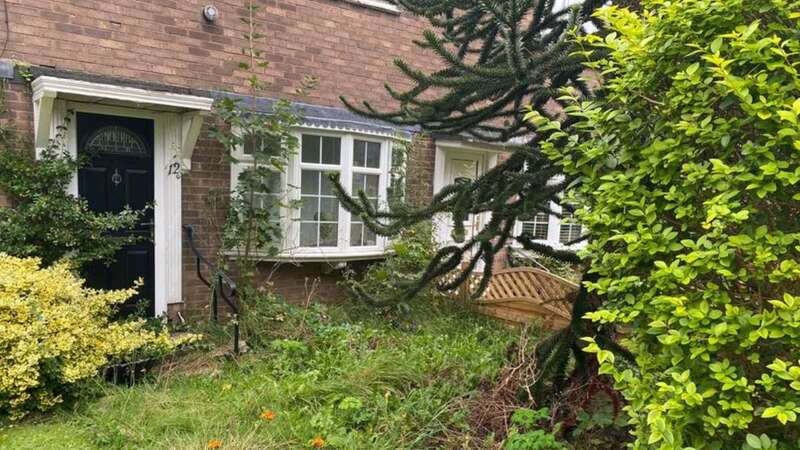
[322,256]
[378,5]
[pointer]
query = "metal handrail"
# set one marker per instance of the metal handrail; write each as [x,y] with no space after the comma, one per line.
[222,285]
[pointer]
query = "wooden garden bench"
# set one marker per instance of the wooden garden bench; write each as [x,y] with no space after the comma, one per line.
[526,294]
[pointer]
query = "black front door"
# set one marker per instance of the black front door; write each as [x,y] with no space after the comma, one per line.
[119,173]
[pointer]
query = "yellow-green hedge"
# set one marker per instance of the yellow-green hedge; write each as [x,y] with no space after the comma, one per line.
[55,332]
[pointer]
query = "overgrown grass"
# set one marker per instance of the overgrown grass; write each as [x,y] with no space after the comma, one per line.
[345,376]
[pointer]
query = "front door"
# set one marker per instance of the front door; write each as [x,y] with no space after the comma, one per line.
[469,166]
[119,174]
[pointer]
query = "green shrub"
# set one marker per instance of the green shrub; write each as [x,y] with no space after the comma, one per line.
[46,221]
[689,164]
[54,333]
[385,283]
[526,434]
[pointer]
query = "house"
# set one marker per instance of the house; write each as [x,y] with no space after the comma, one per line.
[134,82]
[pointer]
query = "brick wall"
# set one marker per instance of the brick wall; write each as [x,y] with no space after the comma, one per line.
[419,172]
[348,47]
[19,117]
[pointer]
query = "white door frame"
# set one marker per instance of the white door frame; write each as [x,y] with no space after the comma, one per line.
[167,213]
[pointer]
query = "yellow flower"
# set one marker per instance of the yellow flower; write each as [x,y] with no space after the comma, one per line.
[317,442]
[226,387]
[267,415]
[215,443]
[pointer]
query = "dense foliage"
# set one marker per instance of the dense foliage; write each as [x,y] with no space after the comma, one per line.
[689,169]
[262,144]
[54,332]
[44,220]
[383,284]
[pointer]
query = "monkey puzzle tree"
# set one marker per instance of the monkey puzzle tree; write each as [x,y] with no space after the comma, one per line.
[499,57]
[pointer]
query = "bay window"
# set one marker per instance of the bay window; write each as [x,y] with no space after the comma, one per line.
[316,226]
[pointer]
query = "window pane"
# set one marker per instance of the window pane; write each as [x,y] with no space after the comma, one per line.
[308,234]
[359,153]
[310,209]
[328,234]
[355,234]
[327,185]
[249,145]
[358,182]
[372,185]
[331,150]
[374,155]
[272,183]
[369,237]
[329,210]
[310,150]
[309,182]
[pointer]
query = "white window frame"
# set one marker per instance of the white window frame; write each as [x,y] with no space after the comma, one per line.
[535,223]
[291,179]
[241,164]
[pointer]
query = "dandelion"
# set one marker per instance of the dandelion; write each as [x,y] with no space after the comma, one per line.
[214,443]
[267,415]
[226,387]
[317,442]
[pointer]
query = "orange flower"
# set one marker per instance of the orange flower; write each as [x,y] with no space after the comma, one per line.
[267,415]
[317,442]
[215,443]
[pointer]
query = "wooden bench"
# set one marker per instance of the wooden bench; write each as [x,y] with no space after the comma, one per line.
[524,295]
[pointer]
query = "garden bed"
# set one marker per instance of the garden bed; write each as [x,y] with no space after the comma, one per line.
[346,377]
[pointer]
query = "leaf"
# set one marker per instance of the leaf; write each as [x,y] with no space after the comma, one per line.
[753,441]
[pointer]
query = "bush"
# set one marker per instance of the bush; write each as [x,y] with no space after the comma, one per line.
[690,163]
[386,284]
[54,333]
[46,221]
[526,434]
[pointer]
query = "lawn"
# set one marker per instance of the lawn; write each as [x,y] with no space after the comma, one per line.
[352,378]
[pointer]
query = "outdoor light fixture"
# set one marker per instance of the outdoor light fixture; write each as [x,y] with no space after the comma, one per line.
[210,13]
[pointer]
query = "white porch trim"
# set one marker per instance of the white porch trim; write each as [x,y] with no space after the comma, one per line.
[46,89]
[177,121]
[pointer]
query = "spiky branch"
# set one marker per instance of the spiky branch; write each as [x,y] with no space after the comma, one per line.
[498,57]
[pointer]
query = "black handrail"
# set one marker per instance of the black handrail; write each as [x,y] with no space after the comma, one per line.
[223,284]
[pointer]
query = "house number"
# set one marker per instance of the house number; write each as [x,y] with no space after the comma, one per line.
[174,169]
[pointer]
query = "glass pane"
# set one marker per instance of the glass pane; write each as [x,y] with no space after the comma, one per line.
[309,182]
[329,210]
[355,234]
[310,209]
[327,185]
[249,145]
[328,234]
[359,153]
[564,235]
[372,185]
[369,237]
[310,151]
[358,182]
[308,234]
[331,150]
[374,155]
[272,182]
